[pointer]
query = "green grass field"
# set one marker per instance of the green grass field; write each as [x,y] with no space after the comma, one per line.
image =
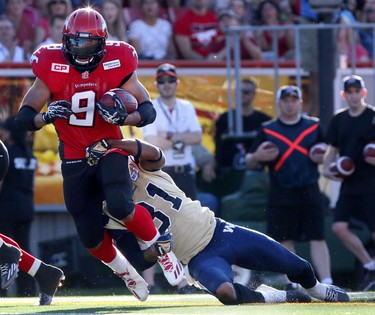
[361,303]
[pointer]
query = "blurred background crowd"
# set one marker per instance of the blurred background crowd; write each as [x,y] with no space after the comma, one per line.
[162,29]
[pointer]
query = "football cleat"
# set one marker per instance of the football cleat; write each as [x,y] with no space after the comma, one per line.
[172,268]
[49,279]
[329,293]
[335,294]
[135,283]
[272,295]
[10,256]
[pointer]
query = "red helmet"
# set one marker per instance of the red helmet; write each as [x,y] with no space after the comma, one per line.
[83,42]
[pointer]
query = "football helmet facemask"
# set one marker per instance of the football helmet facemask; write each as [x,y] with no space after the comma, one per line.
[84,36]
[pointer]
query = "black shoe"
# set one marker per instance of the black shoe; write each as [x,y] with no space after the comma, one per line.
[49,279]
[335,294]
[297,296]
[368,281]
[10,256]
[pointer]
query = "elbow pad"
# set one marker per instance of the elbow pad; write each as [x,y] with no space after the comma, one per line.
[147,112]
[25,118]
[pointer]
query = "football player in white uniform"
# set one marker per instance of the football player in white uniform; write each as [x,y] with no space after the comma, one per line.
[206,245]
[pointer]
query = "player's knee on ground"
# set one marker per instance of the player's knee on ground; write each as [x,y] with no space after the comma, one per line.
[226,293]
[233,294]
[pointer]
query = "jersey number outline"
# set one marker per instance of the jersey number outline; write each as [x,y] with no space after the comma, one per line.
[83,104]
[176,203]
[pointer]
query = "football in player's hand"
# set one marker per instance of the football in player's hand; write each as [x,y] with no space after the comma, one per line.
[343,167]
[4,160]
[318,149]
[271,145]
[130,102]
[369,149]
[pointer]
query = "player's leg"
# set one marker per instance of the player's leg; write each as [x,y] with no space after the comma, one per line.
[84,199]
[9,260]
[118,191]
[49,277]
[256,251]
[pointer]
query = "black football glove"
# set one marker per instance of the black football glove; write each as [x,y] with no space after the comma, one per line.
[113,115]
[95,152]
[57,110]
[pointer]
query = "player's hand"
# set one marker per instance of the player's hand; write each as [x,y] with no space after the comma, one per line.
[57,110]
[96,151]
[113,115]
[164,244]
[326,172]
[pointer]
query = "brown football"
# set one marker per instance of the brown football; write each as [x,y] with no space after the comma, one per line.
[369,149]
[318,148]
[130,102]
[343,167]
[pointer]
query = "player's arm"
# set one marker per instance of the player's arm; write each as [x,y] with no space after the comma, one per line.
[145,114]
[29,116]
[330,157]
[150,157]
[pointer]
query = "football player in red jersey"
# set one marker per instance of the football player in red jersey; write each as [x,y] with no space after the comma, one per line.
[73,76]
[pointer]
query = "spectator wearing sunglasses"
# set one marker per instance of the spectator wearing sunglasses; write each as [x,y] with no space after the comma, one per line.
[175,130]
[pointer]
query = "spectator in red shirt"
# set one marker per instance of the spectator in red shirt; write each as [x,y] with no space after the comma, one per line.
[196,30]
[16,11]
[269,14]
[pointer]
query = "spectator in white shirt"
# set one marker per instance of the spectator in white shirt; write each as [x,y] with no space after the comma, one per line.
[151,35]
[9,49]
[56,27]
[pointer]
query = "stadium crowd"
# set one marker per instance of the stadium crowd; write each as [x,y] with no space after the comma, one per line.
[161,29]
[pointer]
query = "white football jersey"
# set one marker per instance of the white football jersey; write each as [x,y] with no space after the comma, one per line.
[192,225]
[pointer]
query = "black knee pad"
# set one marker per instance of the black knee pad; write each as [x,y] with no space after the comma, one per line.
[117,186]
[119,201]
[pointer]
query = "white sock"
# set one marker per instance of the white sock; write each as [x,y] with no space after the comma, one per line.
[318,291]
[327,281]
[119,264]
[271,295]
[34,267]
[370,265]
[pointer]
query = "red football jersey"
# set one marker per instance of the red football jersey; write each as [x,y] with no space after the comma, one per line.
[83,90]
